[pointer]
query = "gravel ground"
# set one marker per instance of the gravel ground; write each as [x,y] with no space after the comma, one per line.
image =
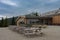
[50,33]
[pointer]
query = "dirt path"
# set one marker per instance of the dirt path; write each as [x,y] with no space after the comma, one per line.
[51,33]
[6,34]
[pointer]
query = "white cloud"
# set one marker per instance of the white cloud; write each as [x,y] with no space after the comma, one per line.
[33,10]
[9,2]
[30,10]
[2,16]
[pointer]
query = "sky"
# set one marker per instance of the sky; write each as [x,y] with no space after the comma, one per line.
[11,8]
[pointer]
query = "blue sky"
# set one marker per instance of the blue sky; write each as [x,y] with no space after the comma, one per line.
[21,7]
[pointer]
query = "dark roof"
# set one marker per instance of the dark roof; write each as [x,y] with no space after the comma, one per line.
[36,17]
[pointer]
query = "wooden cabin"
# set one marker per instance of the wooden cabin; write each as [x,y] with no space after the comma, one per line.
[54,20]
[34,20]
[50,18]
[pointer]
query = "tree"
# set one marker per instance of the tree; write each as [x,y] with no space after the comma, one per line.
[13,21]
[35,13]
[2,22]
[5,22]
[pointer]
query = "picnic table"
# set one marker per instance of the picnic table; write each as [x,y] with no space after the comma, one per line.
[32,31]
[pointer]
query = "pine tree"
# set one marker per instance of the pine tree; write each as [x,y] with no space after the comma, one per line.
[36,14]
[5,22]
[2,22]
[13,21]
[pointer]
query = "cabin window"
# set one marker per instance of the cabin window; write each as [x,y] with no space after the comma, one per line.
[22,22]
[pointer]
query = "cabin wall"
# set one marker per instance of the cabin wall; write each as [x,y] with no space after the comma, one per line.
[56,20]
[30,21]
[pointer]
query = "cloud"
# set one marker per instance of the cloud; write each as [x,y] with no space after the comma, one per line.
[7,7]
[2,16]
[2,8]
[52,1]
[33,10]
[8,2]
[47,1]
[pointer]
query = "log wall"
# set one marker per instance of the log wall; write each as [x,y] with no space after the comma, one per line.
[56,20]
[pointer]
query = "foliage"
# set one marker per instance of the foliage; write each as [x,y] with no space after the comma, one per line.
[13,21]
[33,14]
[4,22]
[36,13]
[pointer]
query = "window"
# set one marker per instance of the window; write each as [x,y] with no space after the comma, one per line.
[22,22]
